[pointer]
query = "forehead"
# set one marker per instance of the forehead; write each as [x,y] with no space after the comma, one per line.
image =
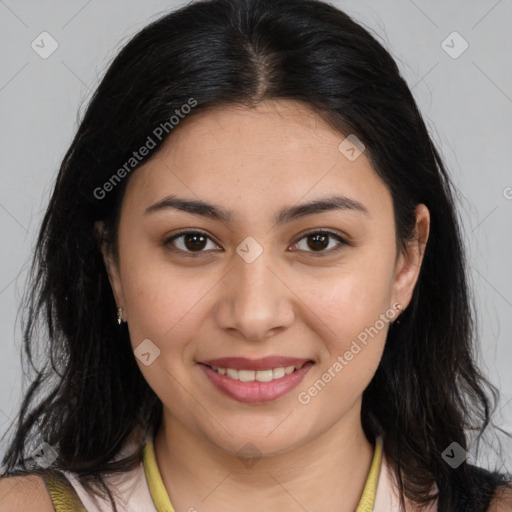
[280,151]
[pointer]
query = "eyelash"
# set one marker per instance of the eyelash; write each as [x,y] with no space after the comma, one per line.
[168,242]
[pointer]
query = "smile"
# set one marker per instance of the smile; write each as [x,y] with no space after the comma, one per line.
[260,381]
[259,375]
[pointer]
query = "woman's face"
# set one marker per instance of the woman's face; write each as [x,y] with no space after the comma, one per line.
[253,283]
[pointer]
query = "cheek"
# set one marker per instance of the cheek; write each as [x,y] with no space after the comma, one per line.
[357,312]
[350,298]
[165,303]
[165,308]
[354,303]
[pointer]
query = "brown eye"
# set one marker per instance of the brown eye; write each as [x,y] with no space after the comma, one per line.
[194,241]
[190,241]
[319,241]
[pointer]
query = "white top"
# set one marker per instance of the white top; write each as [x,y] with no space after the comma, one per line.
[133,495]
[131,487]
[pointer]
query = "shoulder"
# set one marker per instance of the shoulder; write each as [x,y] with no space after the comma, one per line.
[501,501]
[27,492]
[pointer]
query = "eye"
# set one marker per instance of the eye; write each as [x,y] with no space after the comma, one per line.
[194,243]
[189,242]
[319,240]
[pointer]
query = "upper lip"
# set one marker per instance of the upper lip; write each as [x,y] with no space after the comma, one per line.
[265,363]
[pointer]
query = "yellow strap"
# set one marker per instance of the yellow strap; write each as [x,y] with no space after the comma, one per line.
[367,501]
[156,486]
[63,494]
[163,503]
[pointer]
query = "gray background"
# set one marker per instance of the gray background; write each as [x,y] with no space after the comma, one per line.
[466,101]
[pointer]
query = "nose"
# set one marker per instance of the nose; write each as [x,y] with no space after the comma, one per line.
[256,301]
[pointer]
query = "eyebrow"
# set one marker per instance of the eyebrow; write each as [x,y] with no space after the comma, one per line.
[288,214]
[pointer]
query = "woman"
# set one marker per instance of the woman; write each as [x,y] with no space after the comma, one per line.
[254,285]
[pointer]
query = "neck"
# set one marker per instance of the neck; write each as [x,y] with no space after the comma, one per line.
[326,473]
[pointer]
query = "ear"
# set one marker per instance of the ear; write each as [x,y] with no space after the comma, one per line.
[110,264]
[409,261]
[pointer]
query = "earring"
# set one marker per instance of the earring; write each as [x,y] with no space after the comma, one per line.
[398,307]
[119,315]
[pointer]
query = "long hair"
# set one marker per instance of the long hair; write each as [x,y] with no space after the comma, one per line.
[88,395]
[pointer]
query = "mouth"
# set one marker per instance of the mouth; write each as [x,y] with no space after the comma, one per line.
[266,375]
[256,381]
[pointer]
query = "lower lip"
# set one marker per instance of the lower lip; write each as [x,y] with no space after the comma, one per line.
[256,392]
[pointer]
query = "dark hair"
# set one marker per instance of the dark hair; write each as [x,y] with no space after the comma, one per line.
[427,391]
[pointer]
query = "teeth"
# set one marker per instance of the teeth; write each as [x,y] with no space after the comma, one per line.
[260,375]
[267,375]
[246,375]
[233,374]
[279,373]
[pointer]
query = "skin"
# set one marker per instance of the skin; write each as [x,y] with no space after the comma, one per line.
[287,302]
